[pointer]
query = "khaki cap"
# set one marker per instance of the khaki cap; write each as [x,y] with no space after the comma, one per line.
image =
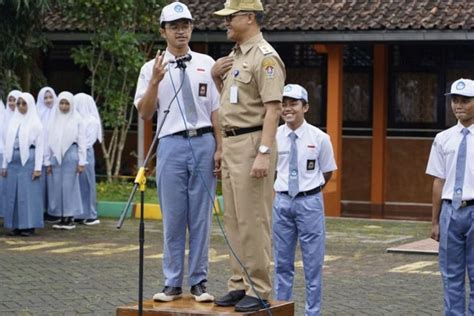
[233,6]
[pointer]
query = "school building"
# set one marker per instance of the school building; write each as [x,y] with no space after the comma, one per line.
[376,73]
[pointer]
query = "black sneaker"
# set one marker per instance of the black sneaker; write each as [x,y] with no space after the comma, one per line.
[69,224]
[168,294]
[27,232]
[15,232]
[60,224]
[91,221]
[199,291]
[51,219]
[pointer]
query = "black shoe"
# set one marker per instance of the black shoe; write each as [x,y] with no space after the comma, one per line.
[91,221]
[231,298]
[15,232]
[251,304]
[27,232]
[51,219]
[168,294]
[199,291]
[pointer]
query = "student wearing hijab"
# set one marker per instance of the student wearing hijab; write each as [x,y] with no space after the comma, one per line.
[4,120]
[21,167]
[45,106]
[2,193]
[86,107]
[65,157]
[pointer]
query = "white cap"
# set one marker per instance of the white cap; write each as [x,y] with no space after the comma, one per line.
[175,11]
[464,87]
[295,91]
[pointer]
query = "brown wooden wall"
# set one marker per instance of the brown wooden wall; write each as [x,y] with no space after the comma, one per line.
[407,187]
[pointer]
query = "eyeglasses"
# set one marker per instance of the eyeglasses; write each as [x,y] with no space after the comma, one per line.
[229,18]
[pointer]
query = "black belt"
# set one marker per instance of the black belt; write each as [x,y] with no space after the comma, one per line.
[194,132]
[463,203]
[305,193]
[240,131]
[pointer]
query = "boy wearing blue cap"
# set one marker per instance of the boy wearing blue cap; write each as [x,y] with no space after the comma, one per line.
[305,164]
[453,199]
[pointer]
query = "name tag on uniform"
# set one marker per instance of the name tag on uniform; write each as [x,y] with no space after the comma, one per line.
[234,92]
[310,164]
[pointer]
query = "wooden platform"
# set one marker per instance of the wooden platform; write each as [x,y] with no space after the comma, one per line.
[187,306]
[425,246]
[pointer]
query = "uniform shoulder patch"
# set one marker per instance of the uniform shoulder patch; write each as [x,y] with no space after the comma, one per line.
[265,49]
[268,64]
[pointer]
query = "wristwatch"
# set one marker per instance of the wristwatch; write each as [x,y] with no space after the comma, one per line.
[264,150]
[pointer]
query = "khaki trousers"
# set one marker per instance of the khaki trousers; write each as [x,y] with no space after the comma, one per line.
[247,213]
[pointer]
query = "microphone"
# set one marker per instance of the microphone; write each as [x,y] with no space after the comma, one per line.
[181,61]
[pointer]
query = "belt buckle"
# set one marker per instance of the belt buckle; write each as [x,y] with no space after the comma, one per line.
[463,204]
[192,132]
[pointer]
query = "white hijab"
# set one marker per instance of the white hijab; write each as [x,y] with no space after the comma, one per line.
[63,128]
[29,126]
[45,112]
[2,109]
[87,108]
[2,115]
[8,114]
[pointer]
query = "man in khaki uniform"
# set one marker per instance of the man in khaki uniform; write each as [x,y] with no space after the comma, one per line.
[251,81]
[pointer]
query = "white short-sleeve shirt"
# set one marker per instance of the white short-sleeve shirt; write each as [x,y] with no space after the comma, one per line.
[206,96]
[315,157]
[443,156]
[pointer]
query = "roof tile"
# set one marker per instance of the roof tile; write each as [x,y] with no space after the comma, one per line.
[320,15]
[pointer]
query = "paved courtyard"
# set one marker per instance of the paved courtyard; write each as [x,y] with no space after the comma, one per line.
[92,270]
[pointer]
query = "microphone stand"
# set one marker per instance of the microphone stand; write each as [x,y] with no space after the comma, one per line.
[140,182]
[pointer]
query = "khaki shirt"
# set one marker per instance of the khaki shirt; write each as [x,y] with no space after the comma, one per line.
[259,75]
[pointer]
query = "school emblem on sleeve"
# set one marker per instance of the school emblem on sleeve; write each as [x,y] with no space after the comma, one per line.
[310,164]
[203,89]
[269,67]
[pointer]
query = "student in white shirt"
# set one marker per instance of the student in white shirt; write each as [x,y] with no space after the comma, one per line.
[21,167]
[86,107]
[65,157]
[189,150]
[451,164]
[304,167]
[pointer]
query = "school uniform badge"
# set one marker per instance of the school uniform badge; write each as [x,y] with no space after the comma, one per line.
[203,89]
[310,164]
[269,67]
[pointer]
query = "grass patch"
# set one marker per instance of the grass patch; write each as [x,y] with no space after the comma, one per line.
[119,191]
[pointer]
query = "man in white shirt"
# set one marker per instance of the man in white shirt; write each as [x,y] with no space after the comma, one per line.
[451,164]
[305,165]
[189,151]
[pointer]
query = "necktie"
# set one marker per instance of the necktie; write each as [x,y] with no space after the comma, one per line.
[293,171]
[460,168]
[188,99]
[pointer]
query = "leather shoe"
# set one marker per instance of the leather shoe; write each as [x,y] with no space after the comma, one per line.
[251,304]
[230,299]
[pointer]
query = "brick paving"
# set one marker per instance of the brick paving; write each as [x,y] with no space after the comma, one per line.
[92,270]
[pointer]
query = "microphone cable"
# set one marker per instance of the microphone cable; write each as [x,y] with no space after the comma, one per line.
[252,284]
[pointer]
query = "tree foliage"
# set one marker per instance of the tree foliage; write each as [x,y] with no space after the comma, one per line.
[21,38]
[117,49]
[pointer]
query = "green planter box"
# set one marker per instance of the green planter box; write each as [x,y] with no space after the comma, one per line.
[114,209]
